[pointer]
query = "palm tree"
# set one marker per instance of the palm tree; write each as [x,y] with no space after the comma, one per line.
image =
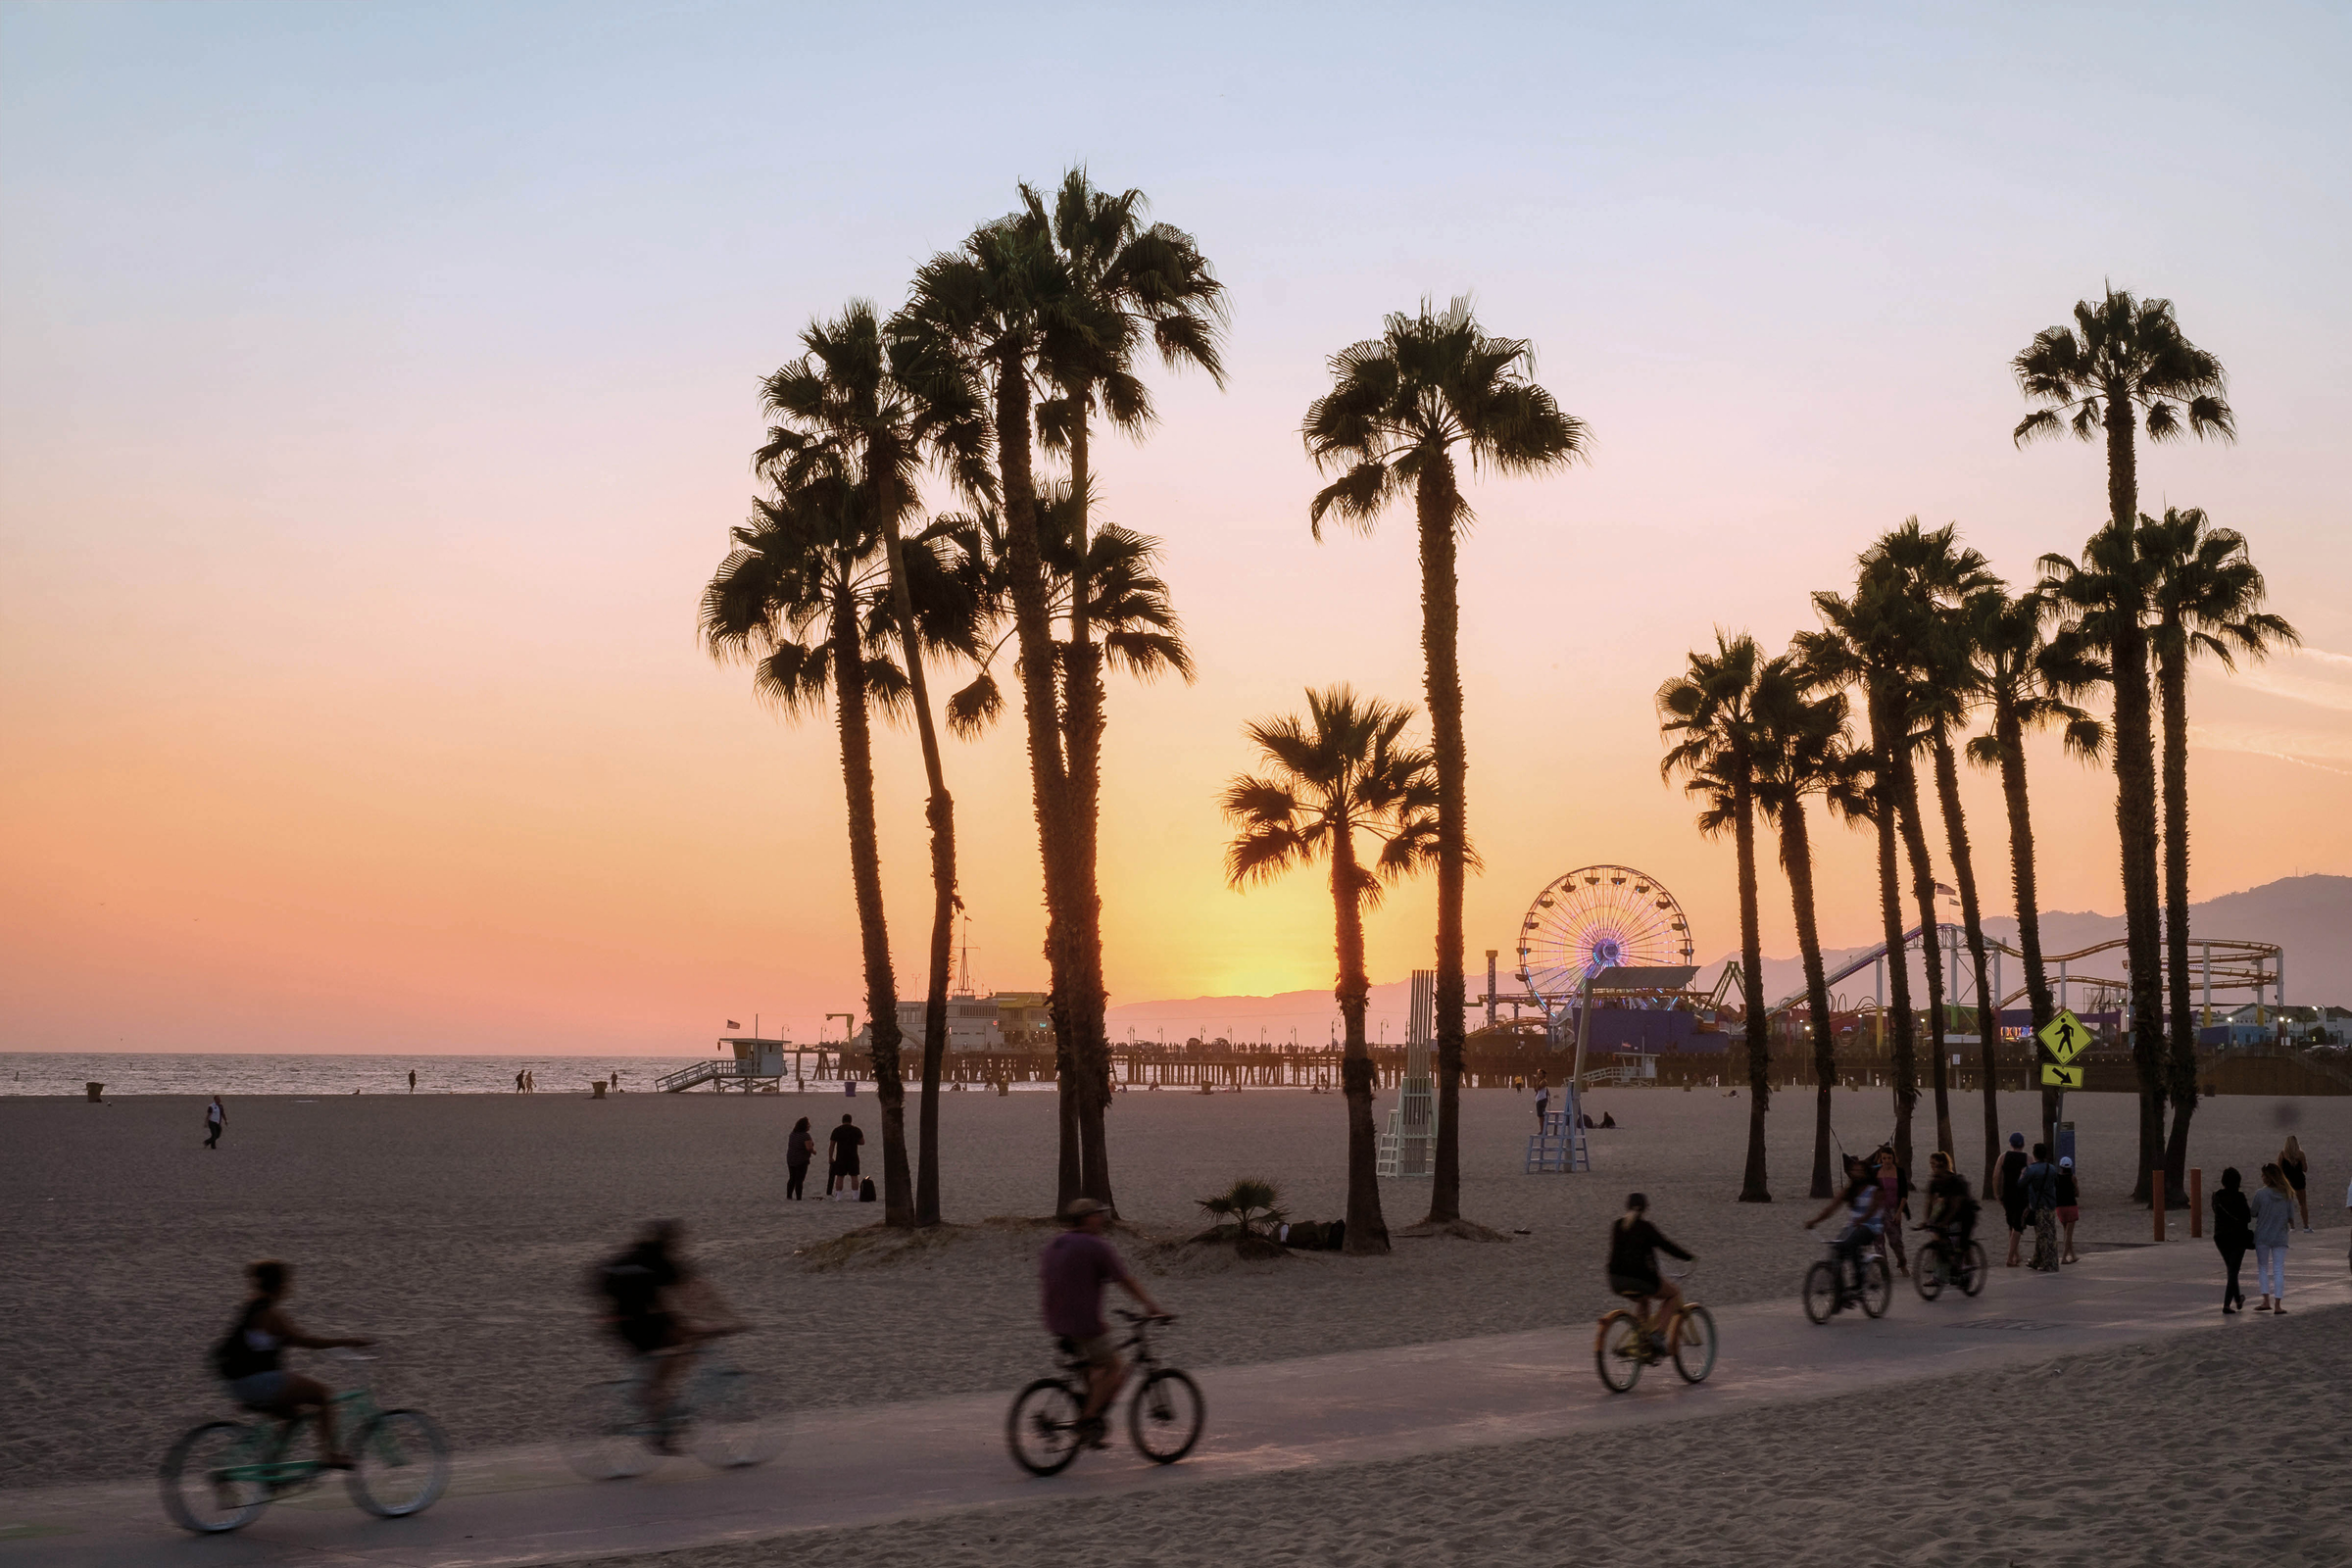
[1346,767]
[1862,642]
[1400,405]
[841,403]
[1805,748]
[2019,676]
[803,595]
[2124,367]
[2208,598]
[1709,713]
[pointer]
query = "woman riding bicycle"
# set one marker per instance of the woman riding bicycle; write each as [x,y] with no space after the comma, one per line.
[1861,1201]
[1633,1247]
[247,1360]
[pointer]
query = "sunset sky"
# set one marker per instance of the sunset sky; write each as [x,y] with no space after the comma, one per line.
[377,383]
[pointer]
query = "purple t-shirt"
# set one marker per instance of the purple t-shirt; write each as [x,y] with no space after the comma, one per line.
[1074,1269]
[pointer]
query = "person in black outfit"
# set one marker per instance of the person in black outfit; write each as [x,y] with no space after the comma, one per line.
[1633,1247]
[842,1166]
[248,1359]
[799,1150]
[2232,1233]
[2013,1201]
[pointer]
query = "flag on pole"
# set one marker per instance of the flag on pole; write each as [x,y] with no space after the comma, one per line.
[732,1024]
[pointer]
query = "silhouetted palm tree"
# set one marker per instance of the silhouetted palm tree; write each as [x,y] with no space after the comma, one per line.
[2018,675]
[2208,598]
[1400,405]
[1345,769]
[2125,365]
[1708,713]
[841,403]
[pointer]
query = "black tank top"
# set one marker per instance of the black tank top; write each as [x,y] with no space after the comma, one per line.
[239,1355]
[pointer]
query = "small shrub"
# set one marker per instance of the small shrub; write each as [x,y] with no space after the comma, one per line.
[1249,1211]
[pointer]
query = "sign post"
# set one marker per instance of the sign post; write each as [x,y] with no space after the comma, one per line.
[2065,1039]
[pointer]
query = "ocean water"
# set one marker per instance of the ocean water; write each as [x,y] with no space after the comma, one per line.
[159,1073]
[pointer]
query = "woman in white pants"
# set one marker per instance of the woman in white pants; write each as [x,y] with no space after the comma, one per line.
[2274,1217]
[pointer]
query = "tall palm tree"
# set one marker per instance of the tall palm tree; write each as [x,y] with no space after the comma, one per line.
[841,403]
[1708,713]
[1805,748]
[1137,284]
[2208,598]
[1399,407]
[2123,367]
[1345,768]
[1863,641]
[2018,676]
[803,594]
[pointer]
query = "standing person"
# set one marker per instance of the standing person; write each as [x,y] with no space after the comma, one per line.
[518,1083]
[842,1155]
[1072,1271]
[1894,1204]
[2037,1191]
[2070,1206]
[2012,1166]
[2233,1233]
[799,1150]
[2274,1218]
[411,1080]
[216,1117]
[2297,1171]
[1542,1103]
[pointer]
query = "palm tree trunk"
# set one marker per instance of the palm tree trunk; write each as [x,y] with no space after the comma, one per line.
[865,879]
[1754,1188]
[1796,858]
[1049,782]
[1367,1229]
[1930,938]
[1903,1067]
[2181,1080]
[2136,806]
[1435,506]
[2010,735]
[1989,1005]
[1082,700]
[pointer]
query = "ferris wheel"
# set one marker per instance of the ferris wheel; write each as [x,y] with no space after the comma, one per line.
[1593,918]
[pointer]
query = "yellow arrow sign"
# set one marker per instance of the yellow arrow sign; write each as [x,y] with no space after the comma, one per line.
[2061,1077]
[2064,1036]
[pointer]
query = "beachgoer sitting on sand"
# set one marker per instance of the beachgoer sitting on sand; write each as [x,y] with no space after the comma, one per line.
[247,1360]
[1608,1120]
[1074,1270]
[1633,1247]
[659,1308]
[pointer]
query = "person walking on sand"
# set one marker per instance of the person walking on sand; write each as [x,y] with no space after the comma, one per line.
[799,1150]
[842,1157]
[2037,1191]
[2012,1166]
[216,1117]
[2297,1171]
[2233,1233]
[2274,1218]
[518,1083]
[411,1080]
[2070,1206]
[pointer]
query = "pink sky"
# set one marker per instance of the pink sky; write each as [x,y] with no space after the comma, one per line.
[376,392]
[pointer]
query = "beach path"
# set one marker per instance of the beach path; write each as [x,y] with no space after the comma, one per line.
[850,1465]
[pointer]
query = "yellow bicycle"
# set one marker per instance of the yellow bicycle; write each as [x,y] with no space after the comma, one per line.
[1630,1341]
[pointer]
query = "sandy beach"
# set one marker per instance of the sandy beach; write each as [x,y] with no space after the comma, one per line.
[457,1229]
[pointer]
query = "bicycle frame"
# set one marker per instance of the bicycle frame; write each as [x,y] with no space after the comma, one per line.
[275,1435]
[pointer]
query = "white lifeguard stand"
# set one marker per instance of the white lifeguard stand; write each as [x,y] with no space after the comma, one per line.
[1409,1146]
[1561,1145]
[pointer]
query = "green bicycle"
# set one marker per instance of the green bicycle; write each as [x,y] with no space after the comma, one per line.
[222,1474]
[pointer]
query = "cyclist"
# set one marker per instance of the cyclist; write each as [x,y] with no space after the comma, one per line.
[247,1360]
[1860,1201]
[1633,1247]
[661,1310]
[1074,1268]
[1951,1210]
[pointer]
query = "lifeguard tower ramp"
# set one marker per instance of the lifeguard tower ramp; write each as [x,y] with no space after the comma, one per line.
[755,1065]
[1409,1146]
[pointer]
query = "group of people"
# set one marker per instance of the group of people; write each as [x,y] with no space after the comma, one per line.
[841,1158]
[2261,1224]
[1876,1199]
[2042,1196]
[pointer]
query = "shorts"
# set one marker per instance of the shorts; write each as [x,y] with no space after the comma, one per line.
[650,1334]
[258,1390]
[2016,1212]
[1094,1350]
[2068,1214]
[1633,1285]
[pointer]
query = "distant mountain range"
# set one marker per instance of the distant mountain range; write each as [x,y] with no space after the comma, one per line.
[2310,916]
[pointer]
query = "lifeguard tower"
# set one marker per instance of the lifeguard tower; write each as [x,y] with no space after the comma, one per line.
[757,1064]
[1409,1146]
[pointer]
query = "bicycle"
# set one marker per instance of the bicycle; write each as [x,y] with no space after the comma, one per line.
[727,1416]
[1831,1287]
[1045,1429]
[220,1475]
[1628,1340]
[1938,1266]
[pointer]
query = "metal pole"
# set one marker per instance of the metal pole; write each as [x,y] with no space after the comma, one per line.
[1877,992]
[2208,952]
[2061,983]
[1490,988]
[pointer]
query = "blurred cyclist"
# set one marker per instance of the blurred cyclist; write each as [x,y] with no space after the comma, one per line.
[247,1360]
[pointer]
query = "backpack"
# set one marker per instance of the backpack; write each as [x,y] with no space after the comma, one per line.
[865,1191]
[232,1358]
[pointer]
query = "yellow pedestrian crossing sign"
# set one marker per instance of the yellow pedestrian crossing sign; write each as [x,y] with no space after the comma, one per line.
[2065,1038]
[2055,1077]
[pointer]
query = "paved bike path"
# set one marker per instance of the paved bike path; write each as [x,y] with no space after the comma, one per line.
[860,1465]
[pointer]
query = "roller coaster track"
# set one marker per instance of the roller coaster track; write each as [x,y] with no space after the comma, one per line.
[2234,964]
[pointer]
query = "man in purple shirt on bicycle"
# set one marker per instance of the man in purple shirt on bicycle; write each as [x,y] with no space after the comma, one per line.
[1075,1267]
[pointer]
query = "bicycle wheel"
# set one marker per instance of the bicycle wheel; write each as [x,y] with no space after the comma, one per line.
[197,1493]
[1695,1344]
[1928,1276]
[1878,1287]
[1821,1291]
[1165,1415]
[605,1433]
[1043,1428]
[400,1464]
[1975,1271]
[1617,1351]
[735,1420]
